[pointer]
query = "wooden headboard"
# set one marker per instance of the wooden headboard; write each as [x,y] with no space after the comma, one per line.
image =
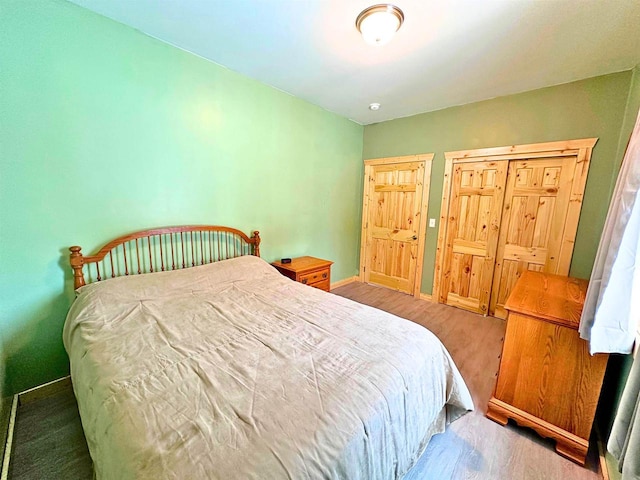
[161,249]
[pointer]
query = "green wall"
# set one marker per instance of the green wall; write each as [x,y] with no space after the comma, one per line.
[3,393]
[105,130]
[589,108]
[630,114]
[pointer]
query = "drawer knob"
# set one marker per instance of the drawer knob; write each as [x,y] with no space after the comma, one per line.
[324,275]
[304,280]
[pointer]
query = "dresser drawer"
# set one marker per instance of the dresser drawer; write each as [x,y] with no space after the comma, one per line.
[314,277]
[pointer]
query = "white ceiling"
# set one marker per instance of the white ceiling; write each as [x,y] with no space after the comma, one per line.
[446,53]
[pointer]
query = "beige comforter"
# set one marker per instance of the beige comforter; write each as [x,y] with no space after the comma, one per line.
[231,370]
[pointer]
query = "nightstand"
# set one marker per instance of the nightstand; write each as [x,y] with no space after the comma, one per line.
[311,271]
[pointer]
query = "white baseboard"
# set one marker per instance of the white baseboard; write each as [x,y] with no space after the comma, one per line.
[8,446]
[346,281]
[44,390]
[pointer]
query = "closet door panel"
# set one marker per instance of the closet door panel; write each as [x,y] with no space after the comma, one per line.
[533,220]
[472,235]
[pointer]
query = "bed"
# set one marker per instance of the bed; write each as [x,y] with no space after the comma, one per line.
[195,358]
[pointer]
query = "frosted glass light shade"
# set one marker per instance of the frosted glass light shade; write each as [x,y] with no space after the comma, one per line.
[379,23]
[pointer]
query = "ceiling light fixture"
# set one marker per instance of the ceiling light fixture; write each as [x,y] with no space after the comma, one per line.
[379,23]
[374,106]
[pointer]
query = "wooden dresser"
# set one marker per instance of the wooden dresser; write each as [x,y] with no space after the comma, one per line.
[547,380]
[311,271]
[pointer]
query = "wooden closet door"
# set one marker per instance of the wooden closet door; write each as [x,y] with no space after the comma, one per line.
[393,206]
[477,193]
[533,223]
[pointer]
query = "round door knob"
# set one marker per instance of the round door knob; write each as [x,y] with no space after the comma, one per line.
[414,237]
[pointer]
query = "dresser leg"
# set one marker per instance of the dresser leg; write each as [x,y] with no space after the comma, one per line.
[496,414]
[573,452]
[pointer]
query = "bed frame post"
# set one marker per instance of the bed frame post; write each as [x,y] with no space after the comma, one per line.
[77,263]
[256,245]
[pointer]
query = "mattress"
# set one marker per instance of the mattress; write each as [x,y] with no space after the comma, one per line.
[230,370]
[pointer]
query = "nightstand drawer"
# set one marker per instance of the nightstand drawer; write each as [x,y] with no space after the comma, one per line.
[322,285]
[314,277]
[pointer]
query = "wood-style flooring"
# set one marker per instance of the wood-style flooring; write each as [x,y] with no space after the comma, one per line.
[49,442]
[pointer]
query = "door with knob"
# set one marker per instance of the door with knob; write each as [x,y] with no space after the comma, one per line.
[394,214]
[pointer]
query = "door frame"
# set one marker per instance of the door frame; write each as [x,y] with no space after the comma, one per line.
[581,149]
[427,158]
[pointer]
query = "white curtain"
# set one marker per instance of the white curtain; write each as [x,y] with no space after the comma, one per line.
[624,441]
[612,307]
